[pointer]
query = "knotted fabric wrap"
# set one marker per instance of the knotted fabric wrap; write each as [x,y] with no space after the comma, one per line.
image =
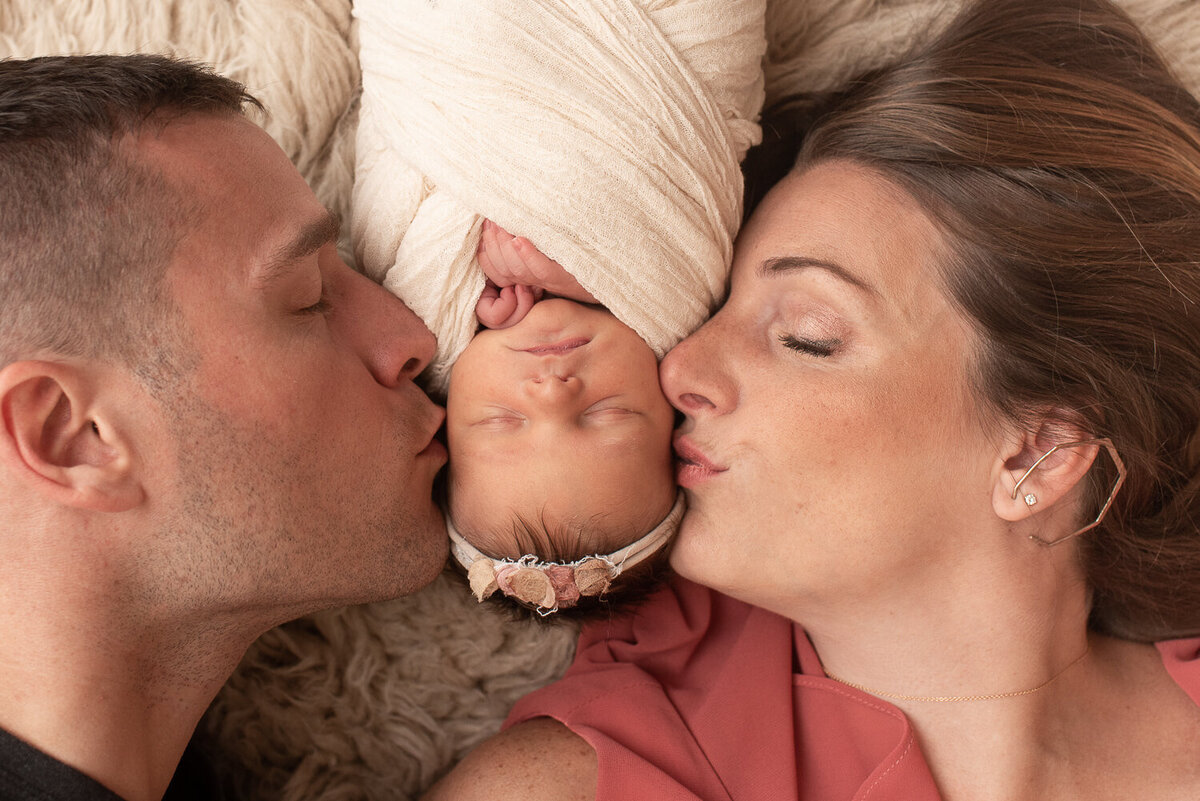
[607,132]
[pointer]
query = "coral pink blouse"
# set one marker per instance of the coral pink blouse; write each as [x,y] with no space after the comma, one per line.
[700,696]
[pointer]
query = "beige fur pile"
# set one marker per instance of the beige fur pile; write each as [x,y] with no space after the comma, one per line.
[376,702]
[297,56]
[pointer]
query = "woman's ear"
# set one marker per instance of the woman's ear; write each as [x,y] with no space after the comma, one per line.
[1038,469]
[57,437]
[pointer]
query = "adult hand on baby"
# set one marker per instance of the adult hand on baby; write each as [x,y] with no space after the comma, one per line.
[509,260]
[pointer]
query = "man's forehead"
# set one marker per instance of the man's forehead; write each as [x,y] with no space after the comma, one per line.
[197,145]
[251,203]
[225,158]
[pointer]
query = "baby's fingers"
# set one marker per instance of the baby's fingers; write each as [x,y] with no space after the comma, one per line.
[497,258]
[526,297]
[534,261]
[495,306]
[501,307]
[549,273]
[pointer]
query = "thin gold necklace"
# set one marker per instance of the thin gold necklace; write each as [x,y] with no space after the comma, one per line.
[988,697]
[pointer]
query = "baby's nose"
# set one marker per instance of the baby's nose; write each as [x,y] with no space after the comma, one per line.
[551,387]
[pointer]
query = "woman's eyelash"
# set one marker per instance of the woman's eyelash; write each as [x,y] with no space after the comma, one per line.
[813,347]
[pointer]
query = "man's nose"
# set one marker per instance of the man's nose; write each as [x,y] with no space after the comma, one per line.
[394,343]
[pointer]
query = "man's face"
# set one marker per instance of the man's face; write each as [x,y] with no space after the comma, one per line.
[304,454]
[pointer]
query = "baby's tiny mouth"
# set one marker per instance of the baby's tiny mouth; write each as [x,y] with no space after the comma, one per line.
[558,348]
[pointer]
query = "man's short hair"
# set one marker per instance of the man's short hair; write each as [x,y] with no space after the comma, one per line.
[86,232]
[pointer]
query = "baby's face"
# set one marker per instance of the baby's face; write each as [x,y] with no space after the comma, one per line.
[559,418]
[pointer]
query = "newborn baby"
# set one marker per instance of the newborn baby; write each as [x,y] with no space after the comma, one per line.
[561,473]
[610,133]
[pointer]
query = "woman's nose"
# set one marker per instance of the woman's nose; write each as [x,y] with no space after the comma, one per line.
[694,375]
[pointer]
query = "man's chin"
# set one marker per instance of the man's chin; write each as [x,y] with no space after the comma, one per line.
[397,555]
[439,552]
[422,555]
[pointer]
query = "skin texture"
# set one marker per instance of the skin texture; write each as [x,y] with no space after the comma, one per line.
[285,465]
[586,429]
[840,389]
[281,426]
[840,471]
[539,759]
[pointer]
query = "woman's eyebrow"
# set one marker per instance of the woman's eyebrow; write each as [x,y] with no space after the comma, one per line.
[785,264]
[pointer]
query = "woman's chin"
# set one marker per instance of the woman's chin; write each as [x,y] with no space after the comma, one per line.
[692,556]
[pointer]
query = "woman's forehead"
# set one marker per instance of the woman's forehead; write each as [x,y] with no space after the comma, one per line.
[850,216]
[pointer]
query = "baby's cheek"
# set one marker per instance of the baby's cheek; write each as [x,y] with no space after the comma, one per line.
[472,506]
[651,483]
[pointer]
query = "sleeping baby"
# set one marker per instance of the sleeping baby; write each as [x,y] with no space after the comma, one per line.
[609,134]
[560,440]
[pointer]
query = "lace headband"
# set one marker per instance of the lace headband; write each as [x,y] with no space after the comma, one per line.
[550,586]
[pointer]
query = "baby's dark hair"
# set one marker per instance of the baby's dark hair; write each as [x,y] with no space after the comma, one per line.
[566,543]
[561,541]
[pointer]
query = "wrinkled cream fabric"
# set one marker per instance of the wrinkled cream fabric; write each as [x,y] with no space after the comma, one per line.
[608,132]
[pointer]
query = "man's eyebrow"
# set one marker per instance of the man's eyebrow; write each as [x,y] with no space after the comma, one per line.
[311,237]
[783,264]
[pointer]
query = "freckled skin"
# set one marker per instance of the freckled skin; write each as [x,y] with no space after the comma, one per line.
[833,457]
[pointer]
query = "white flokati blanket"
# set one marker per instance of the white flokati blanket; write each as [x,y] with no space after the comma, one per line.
[608,132]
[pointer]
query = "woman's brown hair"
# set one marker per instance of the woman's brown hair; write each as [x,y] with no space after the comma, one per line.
[1061,157]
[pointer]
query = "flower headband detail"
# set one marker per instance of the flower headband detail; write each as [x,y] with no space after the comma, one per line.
[550,586]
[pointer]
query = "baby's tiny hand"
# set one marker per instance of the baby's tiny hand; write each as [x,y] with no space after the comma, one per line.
[509,260]
[500,307]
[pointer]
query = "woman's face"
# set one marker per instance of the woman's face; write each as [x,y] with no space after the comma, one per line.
[832,446]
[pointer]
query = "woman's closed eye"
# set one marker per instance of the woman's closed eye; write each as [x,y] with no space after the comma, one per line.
[812,347]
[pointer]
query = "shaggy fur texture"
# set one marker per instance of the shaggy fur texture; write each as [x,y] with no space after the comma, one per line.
[376,702]
[299,57]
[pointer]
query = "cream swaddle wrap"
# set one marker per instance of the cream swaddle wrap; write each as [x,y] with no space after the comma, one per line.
[608,132]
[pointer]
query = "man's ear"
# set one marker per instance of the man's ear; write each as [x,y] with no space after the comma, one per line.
[57,437]
[1053,477]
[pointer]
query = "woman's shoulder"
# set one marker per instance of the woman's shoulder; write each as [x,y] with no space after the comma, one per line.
[536,760]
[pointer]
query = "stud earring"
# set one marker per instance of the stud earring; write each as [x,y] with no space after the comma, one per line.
[1030,499]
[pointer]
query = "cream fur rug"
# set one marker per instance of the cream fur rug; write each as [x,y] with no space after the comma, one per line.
[376,702]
